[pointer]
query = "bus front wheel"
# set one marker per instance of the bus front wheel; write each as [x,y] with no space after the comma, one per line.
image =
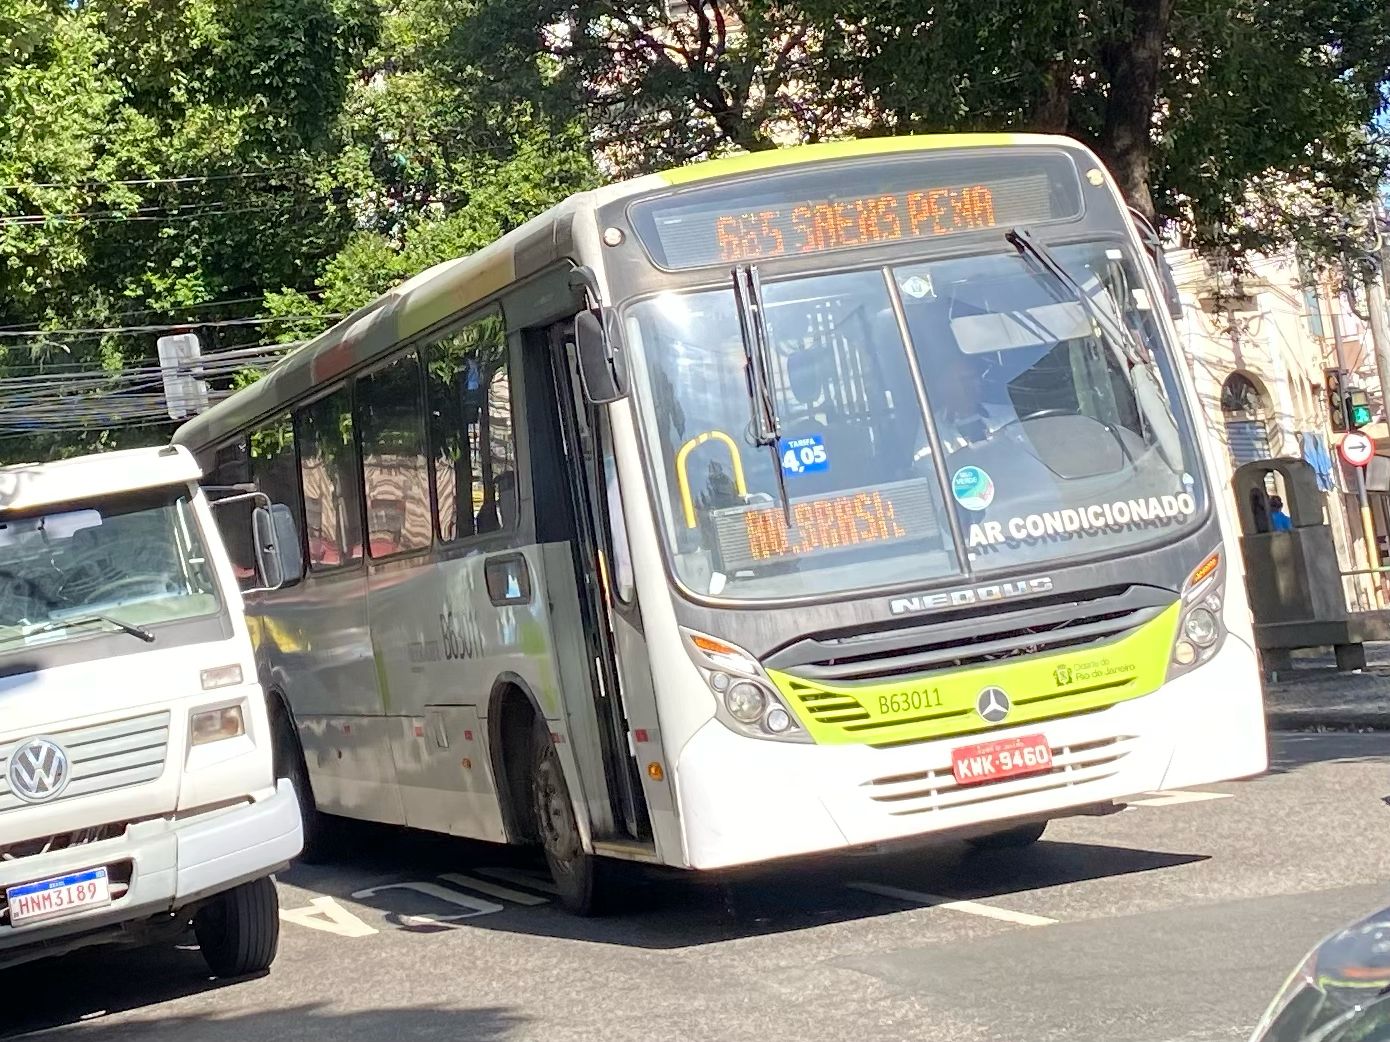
[576,872]
[1014,838]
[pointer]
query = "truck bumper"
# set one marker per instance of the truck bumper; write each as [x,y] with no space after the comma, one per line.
[157,868]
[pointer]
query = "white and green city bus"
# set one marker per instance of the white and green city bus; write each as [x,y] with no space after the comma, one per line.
[777,504]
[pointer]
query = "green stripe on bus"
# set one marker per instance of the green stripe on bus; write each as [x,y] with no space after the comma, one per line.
[938,705]
[771,159]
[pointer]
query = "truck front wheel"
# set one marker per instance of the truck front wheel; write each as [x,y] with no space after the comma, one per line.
[239,931]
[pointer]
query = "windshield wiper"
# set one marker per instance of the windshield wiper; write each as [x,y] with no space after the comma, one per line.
[757,350]
[1115,333]
[86,620]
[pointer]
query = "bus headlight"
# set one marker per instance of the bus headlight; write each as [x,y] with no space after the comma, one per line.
[1199,625]
[745,700]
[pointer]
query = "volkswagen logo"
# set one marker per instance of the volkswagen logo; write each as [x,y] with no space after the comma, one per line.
[993,705]
[39,770]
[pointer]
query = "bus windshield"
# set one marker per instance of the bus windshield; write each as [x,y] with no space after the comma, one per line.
[123,562]
[963,415]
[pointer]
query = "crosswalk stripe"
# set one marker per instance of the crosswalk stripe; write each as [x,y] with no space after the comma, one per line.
[917,897]
[1167,799]
[512,875]
[505,893]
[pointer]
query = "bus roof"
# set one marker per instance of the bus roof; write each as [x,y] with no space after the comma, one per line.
[25,486]
[453,286]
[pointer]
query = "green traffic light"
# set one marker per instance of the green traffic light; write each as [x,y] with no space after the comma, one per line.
[1360,415]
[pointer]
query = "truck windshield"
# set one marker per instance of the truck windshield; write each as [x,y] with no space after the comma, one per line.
[1042,438]
[127,562]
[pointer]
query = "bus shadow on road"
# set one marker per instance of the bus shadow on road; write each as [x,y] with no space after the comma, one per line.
[308,1022]
[667,909]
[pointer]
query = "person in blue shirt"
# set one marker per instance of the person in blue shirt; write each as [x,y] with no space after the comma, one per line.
[1278,520]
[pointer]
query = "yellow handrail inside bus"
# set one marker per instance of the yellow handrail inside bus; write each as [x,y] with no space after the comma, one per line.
[683,478]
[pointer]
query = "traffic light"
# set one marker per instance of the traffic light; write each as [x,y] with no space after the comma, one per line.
[1358,409]
[1348,408]
[1332,381]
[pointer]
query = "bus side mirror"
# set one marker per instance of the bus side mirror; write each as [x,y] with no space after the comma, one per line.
[602,367]
[276,540]
[1170,286]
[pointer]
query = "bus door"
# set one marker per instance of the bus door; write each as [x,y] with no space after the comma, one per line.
[583,431]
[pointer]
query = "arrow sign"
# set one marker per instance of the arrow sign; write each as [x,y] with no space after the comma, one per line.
[1357,449]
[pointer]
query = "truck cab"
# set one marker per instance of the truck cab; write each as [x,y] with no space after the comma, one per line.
[138,792]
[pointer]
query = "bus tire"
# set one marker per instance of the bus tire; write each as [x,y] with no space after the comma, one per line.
[289,763]
[1014,838]
[239,930]
[576,872]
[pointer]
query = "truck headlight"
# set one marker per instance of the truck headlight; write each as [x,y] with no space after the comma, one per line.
[216,725]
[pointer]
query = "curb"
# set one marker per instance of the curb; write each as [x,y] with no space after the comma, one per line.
[1314,720]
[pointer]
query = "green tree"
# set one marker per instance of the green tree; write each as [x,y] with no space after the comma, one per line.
[1237,117]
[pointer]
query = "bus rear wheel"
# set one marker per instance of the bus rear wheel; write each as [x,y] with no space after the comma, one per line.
[578,874]
[1015,838]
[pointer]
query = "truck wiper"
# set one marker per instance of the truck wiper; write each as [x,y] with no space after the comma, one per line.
[757,350]
[1116,335]
[88,619]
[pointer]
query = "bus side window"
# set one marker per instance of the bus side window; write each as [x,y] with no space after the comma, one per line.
[472,444]
[394,468]
[231,465]
[330,477]
[275,470]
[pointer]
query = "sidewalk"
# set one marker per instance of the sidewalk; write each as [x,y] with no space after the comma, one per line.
[1314,696]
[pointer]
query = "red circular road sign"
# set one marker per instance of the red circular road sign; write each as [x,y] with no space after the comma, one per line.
[1357,449]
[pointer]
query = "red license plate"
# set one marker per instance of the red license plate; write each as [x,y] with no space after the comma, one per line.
[1005,758]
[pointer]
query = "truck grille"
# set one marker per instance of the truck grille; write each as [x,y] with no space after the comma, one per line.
[935,790]
[104,757]
[62,841]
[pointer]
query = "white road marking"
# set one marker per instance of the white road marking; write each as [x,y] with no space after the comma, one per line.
[505,893]
[512,875]
[917,897]
[475,905]
[327,915]
[1167,799]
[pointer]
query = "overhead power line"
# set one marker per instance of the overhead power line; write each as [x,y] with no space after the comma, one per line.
[168,326]
[190,179]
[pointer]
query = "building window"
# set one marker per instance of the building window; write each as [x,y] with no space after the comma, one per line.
[329,475]
[472,445]
[395,472]
[1246,416]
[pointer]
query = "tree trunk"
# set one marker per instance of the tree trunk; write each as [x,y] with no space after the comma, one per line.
[1132,62]
[1053,108]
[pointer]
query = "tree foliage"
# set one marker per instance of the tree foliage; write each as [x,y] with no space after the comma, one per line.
[1235,117]
[289,157]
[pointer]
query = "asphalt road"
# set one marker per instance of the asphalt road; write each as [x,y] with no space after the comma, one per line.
[1174,920]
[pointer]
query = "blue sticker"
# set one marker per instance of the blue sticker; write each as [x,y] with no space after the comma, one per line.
[803,455]
[972,488]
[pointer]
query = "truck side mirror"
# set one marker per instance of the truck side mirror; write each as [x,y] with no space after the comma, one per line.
[276,539]
[602,366]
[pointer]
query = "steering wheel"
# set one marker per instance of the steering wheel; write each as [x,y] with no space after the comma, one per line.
[144,582]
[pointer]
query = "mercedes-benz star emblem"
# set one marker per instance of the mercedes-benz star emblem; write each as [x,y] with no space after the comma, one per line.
[39,770]
[993,705]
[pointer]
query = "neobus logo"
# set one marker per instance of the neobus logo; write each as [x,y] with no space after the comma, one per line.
[969,595]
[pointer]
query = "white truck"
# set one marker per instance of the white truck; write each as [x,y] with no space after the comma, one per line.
[138,794]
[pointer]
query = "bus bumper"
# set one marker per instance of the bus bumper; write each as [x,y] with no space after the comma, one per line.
[744,800]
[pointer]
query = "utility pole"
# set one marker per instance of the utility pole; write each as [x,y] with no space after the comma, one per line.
[1368,527]
[1373,281]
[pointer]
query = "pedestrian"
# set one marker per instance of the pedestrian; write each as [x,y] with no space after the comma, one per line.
[1279,521]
